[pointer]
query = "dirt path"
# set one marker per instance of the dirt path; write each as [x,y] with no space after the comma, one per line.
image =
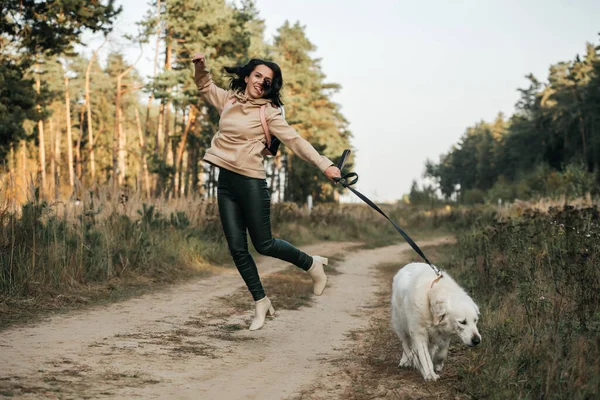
[184,343]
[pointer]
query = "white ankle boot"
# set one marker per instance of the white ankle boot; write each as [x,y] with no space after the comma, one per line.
[262,308]
[318,275]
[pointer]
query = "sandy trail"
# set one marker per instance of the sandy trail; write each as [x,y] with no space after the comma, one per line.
[183,343]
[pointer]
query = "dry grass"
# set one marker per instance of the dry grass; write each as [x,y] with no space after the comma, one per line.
[536,277]
[544,205]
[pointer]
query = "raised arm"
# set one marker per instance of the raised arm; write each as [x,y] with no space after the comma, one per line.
[211,92]
[300,146]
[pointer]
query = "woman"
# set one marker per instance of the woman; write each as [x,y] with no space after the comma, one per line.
[237,149]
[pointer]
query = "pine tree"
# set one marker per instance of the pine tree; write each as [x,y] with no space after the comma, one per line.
[32,29]
[310,111]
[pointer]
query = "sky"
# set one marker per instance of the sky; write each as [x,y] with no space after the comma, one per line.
[416,74]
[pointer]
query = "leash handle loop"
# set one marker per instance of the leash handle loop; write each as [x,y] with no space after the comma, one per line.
[343,159]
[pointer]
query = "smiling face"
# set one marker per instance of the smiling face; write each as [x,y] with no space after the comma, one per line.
[254,81]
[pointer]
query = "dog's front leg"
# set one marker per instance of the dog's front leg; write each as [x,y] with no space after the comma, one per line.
[424,362]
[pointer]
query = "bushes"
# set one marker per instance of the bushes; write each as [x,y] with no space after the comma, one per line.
[41,251]
[543,182]
[538,282]
[474,196]
[53,248]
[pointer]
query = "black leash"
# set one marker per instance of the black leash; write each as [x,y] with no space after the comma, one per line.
[350,179]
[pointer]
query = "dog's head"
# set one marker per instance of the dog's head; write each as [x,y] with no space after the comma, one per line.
[457,316]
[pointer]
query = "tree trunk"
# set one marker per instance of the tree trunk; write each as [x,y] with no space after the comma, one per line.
[151,98]
[56,171]
[122,148]
[115,150]
[42,147]
[163,118]
[51,137]
[89,112]
[159,134]
[167,108]
[211,174]
[197,176]
[11,177]
[78,148]
[157,51]
[12,165]
[143,154]
[172,151]
[280,186]
[118,156]
[69,135]
[272,177]
[23,153]
[180,150]
[188,172]
[286,184]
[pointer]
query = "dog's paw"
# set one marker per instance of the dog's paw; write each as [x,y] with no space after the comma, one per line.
[438,367]
[431,376]
[405,363]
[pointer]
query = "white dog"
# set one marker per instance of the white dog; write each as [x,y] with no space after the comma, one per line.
[426,313]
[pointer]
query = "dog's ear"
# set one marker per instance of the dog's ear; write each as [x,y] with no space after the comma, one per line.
[475,307]
[438,309]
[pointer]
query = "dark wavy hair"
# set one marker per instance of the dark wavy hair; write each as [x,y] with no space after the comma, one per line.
[271,92]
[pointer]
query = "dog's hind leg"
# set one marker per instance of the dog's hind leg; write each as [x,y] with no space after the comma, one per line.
[407,356]
[439,354]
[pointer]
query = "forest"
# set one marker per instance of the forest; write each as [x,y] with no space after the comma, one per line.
[69,123]
[550,146]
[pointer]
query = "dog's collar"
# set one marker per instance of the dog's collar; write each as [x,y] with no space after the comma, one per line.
[440,276]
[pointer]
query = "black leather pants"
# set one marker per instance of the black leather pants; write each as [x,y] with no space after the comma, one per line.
[245,205]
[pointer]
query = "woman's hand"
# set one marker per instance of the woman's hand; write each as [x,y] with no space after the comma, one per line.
[333,172]
[199,60]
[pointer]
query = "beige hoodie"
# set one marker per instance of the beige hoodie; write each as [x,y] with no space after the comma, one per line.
[238,143]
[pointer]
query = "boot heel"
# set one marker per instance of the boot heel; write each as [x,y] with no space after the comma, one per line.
[322,260]
[318,275]
[262,308]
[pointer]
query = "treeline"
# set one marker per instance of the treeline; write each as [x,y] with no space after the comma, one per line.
[550,147]
[67,122]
